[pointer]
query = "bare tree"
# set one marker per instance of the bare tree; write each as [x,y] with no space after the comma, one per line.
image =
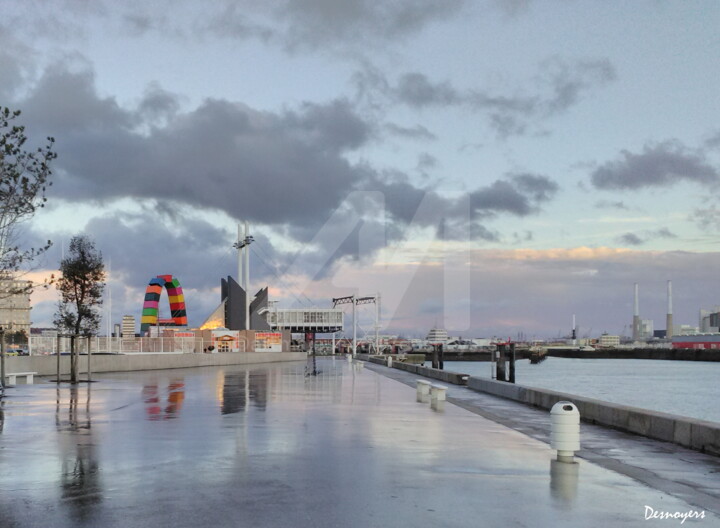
[81,284]
[24,178]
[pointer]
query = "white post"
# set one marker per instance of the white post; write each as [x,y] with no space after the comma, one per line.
[240,256]
[377,323]
[354,345]
[669,319]
[333,344]
[246,280]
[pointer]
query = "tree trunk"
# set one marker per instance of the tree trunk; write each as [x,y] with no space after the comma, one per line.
[89,353]
[73,361]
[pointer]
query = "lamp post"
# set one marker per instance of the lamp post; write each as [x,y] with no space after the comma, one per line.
[2,356]
[243,246]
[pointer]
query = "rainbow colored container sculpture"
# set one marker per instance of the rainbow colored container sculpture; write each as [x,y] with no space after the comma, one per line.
[178,314]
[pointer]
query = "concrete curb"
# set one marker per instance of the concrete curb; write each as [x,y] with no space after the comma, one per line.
[696,434]
[47,365]
[455,378]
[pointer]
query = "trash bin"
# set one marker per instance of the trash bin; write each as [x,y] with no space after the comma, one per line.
[565,430]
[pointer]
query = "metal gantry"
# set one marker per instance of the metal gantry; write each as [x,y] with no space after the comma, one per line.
[355,301]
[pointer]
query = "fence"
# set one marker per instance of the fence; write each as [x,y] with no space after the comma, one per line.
[45,345]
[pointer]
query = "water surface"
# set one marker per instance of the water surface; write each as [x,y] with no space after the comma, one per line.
[686,388]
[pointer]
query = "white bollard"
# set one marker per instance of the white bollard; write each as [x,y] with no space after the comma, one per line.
[437,392]
[437,397]
[423,391]
[565,430]
[389,361]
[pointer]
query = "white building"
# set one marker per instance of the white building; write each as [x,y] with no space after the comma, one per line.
[609,341]
[437,336]
[646,329]
[128,326]
[15,307]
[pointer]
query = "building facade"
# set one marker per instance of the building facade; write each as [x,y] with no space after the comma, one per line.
[15,307]
[609,341]
[128,326]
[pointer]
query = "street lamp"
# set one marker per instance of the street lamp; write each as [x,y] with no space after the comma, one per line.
[2,356]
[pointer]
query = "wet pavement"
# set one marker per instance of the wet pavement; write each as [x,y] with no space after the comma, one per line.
[265,445]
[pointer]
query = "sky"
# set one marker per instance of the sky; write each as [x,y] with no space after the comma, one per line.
[492,167]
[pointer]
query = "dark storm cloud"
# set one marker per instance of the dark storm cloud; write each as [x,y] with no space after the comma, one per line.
[518,195]
[540,188]
[14,65]
[558,86]
[656,166]
[157,104]
[266,167]
[273,169]
[195,251]
[335,125]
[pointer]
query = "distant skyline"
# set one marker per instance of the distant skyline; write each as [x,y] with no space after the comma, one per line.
[493,166]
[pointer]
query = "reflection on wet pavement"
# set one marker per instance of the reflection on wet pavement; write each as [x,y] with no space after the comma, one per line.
[269,446]
[80,484]
[154,399]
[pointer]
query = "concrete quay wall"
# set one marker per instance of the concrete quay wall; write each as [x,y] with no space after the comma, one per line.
[47,365]
[696,434]
[443,375]
[670,354]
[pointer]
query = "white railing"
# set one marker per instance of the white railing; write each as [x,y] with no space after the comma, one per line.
[46,345]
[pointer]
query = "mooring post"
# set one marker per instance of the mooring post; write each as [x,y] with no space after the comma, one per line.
[501,363]
[512,362]
[435,360]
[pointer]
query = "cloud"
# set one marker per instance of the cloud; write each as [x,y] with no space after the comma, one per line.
[631,239]
[657,165]
[537,291]
[707,219]
[609,204]
[290,24]
[638,239]
[559,85]
[287,171]
[713,142]
[426,161]
[221,155]
[417,132]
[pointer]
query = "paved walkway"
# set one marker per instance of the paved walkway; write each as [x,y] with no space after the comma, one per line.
[267,446]
[684,473]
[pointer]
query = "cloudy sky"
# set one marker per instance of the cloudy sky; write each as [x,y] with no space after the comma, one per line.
[490,166]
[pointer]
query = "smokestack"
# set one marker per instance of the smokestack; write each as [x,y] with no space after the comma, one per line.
[669,321]
[636,316]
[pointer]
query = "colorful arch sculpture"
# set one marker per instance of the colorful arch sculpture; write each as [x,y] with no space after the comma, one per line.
[176,298]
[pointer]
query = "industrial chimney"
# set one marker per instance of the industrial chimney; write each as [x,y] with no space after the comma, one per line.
[636,316]
[669,321]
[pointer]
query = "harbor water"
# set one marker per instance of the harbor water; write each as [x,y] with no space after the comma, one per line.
[685,388]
